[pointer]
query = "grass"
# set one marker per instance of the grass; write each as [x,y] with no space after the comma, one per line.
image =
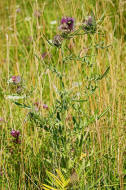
[82,134]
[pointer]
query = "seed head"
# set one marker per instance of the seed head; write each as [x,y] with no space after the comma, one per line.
[57,40]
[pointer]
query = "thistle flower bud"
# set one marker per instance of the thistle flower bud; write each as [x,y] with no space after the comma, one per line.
[57,40]
[89,24]
[16,134]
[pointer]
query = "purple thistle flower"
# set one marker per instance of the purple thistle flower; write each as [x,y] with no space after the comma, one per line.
[16,79]
[67,24]
[15,133]
[45,106]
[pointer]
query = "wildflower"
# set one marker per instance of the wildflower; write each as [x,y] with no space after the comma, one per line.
[37,106]
[45,106]
[15,79]
[57,40]
[67,24]
[16,134]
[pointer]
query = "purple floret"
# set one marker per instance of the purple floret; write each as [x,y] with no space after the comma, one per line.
[15,133]
[69,21]
[45,106]
[67,24]
[16,79]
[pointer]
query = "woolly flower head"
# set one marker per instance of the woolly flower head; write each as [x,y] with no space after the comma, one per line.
[67,24]
[15,133]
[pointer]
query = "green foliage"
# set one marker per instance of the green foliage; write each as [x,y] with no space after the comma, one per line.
[59,181]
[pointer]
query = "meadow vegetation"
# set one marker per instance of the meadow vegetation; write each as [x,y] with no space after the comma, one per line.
[62,94]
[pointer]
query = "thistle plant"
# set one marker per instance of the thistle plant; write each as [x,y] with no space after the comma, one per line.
[68,131]
[63,136]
